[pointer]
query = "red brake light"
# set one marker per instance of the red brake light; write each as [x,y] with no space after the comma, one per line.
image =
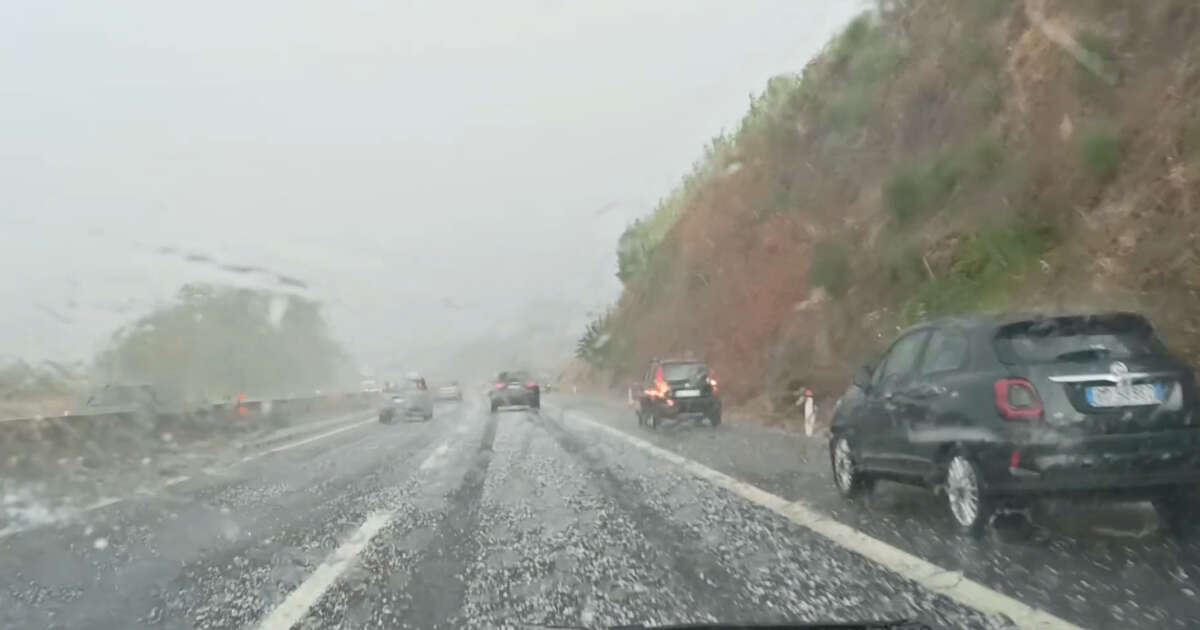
[499,385]
[1016,399]
[530,384]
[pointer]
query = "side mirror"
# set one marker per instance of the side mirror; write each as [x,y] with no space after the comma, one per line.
[862,377]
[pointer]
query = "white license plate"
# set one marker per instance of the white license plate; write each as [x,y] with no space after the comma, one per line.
[687,393]
[1133,395]
[516,387]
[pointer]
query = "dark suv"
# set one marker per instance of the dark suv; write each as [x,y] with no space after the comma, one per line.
[1002,410]
[677,389]
[515,388]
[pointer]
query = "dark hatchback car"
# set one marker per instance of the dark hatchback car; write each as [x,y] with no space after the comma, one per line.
[997,411]
[677,390]
[515,388]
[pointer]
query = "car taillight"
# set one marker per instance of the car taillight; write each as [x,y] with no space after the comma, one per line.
[713,383]
[1016,399]
[499,385]
[661,389]
[530,384]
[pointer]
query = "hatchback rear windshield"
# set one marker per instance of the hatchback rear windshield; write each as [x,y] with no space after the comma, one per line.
[683,371]
[1077,339]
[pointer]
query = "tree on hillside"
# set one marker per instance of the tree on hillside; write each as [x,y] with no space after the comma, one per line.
[593,344]
[218,341]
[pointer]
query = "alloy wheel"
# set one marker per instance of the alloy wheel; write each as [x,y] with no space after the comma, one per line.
[843,465]
[962,489]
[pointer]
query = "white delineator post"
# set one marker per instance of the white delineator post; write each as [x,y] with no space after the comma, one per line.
[810,412]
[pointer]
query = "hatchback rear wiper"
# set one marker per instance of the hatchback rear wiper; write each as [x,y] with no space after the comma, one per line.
[1087,354]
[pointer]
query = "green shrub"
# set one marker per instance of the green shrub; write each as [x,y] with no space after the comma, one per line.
[906,268]
[593,345]
[987,156]
[986,266]
[1100,153]
[911,192]
[916,190]
[851,39]
[831,268]
[1189,139]
[849,108]
[903,196]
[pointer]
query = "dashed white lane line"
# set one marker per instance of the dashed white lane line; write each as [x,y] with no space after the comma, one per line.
[934,578]
[306,440]
[176,480]
[102,503]
[297,604]
[433,458]
[299,601]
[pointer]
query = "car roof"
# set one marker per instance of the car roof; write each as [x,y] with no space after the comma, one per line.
[996,320]
[680,361]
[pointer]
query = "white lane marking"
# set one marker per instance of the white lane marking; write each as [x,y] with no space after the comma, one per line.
[176,480]
[297,604]
[306,440]
[431,461]
[934,578]
[299,601]
[102,503]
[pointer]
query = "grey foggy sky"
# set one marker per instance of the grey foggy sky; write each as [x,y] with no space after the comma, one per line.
[392,154]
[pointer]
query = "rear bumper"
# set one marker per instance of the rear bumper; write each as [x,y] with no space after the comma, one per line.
[1132,464]
[689,408]
[400,412]
[502,397]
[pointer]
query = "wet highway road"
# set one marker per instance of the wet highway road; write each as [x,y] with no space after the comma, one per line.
[524,518]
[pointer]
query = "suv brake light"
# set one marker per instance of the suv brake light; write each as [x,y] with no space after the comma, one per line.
[1017,399]
[530,384]
[499,385]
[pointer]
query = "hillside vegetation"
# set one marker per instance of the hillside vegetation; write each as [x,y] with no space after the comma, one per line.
[938,157]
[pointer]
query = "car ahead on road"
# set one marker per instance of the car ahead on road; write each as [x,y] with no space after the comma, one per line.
[515,388]
[409,399]
[677,390]
[451,391]
[1000,411]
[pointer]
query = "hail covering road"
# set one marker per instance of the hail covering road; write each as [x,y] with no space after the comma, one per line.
[526,518]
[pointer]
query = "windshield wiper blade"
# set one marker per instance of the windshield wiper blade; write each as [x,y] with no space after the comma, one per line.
[1084,355]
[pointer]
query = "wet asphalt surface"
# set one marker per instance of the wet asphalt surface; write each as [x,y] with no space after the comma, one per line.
[524,518]
[1096,564]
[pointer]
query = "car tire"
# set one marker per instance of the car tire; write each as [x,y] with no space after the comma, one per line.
[537,404]
[966,496]
[641,419]
[494,406]
[714,420]
[1176,509]
[851,481]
